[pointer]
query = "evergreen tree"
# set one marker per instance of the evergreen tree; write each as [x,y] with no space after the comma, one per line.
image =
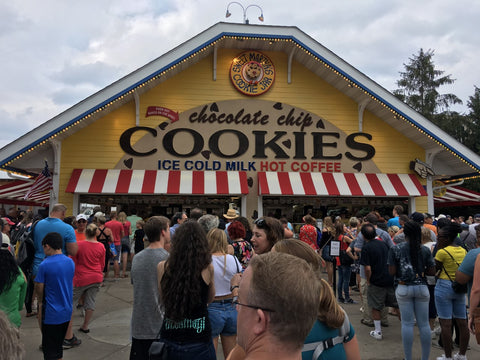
[419,83]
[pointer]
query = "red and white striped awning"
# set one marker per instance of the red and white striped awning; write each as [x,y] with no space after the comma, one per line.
[457,196]
[339,184]
[14,192]
[116,181]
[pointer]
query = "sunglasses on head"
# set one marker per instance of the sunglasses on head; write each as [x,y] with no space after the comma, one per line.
[260,223]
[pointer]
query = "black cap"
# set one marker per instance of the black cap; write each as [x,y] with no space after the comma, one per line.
[428,216]
[417,217]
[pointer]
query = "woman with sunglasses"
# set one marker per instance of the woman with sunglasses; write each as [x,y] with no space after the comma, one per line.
[186,287]
[266,232]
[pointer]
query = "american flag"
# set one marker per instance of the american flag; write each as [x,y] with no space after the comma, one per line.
[40,189]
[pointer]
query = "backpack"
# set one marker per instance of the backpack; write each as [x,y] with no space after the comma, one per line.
[25,249]
[15,234]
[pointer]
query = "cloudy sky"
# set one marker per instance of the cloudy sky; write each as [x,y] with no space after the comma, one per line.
[55,53]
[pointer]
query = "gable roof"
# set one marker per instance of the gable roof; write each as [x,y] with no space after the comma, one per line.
[452,158]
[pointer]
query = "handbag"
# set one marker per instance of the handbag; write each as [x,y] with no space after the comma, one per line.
[158,349]
[456,286]
[325,250]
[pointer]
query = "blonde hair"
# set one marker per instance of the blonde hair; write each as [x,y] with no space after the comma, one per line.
[217,241]
[426,235]
[122,217]
[329,312]
[328,224]
[91,231]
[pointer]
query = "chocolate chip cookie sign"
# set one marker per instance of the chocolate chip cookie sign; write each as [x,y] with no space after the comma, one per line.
[252,73]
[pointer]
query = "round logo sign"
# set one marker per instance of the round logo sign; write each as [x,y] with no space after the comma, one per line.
[252,73]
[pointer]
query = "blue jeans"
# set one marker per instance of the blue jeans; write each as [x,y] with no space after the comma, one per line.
[413,303]
[223,318]
[344,272]
[190,351]
[449,303]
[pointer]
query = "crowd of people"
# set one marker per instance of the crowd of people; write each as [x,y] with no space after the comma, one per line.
[252,285]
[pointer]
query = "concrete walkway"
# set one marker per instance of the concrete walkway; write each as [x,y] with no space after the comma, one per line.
[109,337]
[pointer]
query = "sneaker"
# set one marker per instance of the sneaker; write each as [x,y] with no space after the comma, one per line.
[350,301]
[457,356]
[376,335]
[361,309]
[70,343]
[341,300]
[435,344]
[443,357]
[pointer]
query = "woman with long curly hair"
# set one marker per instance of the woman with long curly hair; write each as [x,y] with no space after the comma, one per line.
[332,322]
[186,286]
[13,287]
[410,263]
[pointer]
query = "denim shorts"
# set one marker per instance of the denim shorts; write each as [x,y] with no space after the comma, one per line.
[190,351]
[449,304]
[223,318]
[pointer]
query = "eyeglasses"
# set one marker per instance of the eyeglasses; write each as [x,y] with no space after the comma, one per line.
[252,306]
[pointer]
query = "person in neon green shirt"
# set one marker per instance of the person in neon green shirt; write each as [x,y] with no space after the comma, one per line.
[13,287]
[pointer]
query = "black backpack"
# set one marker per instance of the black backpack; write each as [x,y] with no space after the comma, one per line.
[25,249]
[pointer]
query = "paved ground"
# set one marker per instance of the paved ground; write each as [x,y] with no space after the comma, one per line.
[110,330]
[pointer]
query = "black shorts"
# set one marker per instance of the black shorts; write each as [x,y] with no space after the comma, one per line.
[52,340]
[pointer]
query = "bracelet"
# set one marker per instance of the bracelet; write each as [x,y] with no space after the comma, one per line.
[233,287]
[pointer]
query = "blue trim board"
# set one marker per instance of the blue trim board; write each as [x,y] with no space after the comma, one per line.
[219,36]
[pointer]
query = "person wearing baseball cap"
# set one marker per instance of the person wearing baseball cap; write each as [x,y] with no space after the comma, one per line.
[82,220]
[471,228]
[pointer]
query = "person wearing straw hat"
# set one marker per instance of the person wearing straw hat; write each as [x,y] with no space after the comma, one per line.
[231,215]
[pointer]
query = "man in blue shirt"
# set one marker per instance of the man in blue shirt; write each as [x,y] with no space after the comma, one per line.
[54,223]
[54,287]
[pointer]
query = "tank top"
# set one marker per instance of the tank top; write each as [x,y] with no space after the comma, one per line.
[103,238]
[194,328]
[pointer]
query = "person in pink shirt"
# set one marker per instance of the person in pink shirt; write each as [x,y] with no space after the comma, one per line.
[117,232]
[89,263]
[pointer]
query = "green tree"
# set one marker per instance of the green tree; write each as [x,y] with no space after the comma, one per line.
[419,83]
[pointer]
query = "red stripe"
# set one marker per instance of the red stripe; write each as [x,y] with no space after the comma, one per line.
[149,179]
[352,183]
[198,182]
[222,182]
[262,184]
[307,183]
[173,186]
[398,185]
[243,182]
[72,183]
[330,184]
[123,182]
[419,186]
[98,180]
[376,185]
[285,185]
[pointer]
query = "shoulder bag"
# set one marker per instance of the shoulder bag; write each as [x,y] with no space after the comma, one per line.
[456,286]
